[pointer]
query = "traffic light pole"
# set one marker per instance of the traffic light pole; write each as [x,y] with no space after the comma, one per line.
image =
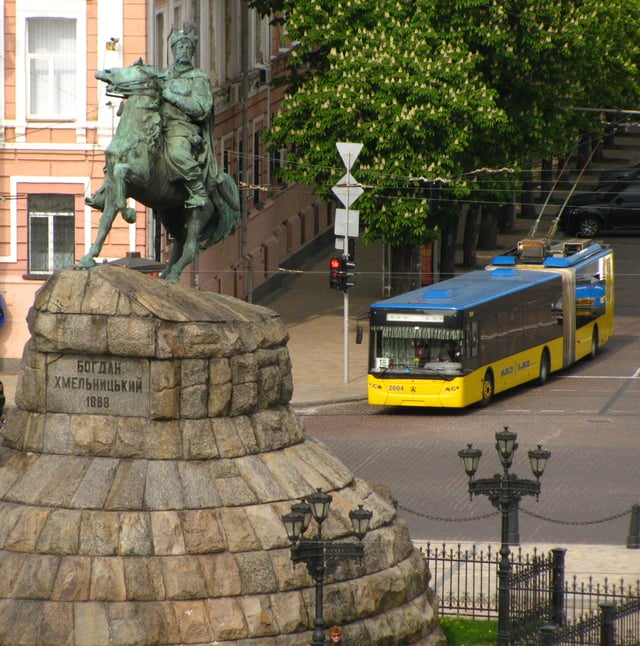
[340,278]
[346,338]
[347,191]
[346,324]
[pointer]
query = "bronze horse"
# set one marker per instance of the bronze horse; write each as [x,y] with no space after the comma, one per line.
[136,167]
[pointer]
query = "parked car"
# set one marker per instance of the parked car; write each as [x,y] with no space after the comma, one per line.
[626,172]
[611,206]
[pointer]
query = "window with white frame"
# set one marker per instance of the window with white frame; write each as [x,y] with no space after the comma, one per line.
[51,68]
[51,48]
[51,232]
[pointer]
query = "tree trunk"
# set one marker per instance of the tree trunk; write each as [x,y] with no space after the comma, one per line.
[448,247]
[527,197]
[598,155]
[563,175]
[406,264]
[488,236]
[584,152]
[507,215]
[546,177]
[470,239]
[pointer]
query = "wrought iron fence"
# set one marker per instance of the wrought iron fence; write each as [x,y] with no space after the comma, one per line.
[614,625]
[545,609]
[535,590]
[464,580]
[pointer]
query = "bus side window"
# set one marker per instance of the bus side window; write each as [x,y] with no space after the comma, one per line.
[472,340]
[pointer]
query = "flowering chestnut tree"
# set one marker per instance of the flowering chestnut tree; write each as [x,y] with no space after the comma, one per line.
[437,89]
[385,78]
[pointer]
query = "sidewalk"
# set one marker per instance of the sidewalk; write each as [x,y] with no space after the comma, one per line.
[596,563]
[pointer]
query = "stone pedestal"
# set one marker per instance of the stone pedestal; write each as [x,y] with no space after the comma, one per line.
[145,470]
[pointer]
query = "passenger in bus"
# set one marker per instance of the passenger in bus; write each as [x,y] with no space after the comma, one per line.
[444,354]
[422,354]
[448,352]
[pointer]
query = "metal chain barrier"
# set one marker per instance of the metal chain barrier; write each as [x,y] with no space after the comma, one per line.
[575,522]
[445,520]
[524,511]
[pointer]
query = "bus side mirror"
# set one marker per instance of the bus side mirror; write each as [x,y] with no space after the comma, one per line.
[359,333]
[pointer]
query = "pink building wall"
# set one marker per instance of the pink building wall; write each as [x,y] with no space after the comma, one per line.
[68,157]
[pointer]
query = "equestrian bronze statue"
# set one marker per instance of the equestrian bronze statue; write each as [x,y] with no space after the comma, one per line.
[162,155]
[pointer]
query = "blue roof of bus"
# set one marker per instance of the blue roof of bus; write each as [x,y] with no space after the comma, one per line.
[552,261]
[469,290]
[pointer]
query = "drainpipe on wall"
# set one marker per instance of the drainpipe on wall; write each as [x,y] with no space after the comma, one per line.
[244,180]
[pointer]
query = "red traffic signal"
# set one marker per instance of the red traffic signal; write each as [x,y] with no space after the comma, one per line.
[341,273]
[334,272]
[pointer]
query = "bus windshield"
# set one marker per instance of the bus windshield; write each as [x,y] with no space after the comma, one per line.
[421,350]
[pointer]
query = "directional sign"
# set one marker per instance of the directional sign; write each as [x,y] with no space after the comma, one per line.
[347,223]
[349,152]
[347,190]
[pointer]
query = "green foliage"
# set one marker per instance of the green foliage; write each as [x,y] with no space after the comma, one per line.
[544,59]
[412,98]
[436,89]
[266,7]
[467,632]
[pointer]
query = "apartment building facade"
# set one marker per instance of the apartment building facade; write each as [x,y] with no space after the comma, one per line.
[56,119]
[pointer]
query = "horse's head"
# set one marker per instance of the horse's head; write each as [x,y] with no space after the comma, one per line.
[126,81]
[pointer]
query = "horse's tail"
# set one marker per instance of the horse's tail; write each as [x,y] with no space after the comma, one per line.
[222,227]
[227,225]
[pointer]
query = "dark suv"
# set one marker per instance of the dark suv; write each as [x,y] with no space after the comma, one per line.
[615,205]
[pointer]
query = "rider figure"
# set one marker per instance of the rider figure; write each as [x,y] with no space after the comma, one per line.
[188,103]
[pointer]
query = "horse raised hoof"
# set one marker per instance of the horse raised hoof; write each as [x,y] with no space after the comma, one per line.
[86,262]
[129,215]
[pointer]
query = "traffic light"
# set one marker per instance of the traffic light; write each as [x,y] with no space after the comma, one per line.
[348,274]
[341,273]
[335,265]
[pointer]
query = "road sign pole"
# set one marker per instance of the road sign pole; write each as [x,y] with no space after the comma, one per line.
[347,191]
[346,337]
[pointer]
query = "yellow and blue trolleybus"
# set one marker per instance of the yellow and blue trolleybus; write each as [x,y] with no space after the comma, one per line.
[531,312]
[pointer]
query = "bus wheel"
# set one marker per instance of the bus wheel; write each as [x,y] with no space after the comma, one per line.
[545,368]
[487,388]
[594,344]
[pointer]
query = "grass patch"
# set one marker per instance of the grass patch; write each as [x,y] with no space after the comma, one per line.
[465,632]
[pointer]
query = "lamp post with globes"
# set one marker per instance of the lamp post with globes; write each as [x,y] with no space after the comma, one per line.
[317,553]
[504,490]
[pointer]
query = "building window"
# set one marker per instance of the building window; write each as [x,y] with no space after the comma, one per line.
[257,168]
[51,232]
[177,17]
[226,161]
[51,68]
[160,61]
[51,60]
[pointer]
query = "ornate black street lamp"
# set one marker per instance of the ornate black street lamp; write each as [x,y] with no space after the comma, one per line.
[504,491]
[318,553]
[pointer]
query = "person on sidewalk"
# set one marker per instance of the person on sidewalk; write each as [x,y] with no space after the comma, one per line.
[335,637]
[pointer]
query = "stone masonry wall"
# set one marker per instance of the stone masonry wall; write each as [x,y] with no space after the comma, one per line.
[145,470]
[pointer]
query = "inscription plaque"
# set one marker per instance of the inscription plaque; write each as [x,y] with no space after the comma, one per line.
[98,386]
